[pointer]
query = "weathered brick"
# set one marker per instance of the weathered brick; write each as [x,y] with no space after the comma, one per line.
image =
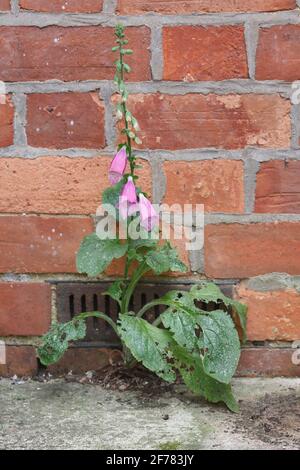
[272,315]
[278,56]
[20,361]
[61,185]
[63,6]
[25,309]
[65,120]
[218,184]
[31,244]
[6,121]
[267,362]
[242,250]
[194,53]
[278,187]
[230,122]
[201,6]
[81,360]
[4,5]
[75,53]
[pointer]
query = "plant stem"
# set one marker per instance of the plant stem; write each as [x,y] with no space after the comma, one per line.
[101,315]
[141,270]
[125,110]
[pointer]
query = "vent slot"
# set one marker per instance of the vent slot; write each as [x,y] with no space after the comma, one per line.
[77,297]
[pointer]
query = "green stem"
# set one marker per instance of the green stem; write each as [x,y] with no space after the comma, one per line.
[141,270]
[101,315]
[124,107]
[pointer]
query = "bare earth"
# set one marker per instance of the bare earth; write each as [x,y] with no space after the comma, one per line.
[60,414]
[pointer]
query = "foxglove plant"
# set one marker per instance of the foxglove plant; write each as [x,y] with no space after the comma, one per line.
[202,347]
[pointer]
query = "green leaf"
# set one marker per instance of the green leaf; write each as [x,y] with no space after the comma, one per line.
[111,195]
[95,255]
[56,341]
[193,374]
[221,345]
[183,324]
[164,259]
[218,342]
[209,292]
[148,344]
[115,291]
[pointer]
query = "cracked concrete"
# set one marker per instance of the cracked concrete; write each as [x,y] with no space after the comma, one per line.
[61,415]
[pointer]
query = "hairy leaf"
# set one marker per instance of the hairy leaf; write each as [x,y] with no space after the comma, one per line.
[95,255]
[183,324]
[209,292]
[193,374]
[115,290]
[164,259]
[111,195]
[148,344]
[56,341]
[221,345]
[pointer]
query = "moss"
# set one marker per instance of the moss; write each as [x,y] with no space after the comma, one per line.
[170,445]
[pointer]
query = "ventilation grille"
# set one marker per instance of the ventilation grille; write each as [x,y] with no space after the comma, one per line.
[77,297]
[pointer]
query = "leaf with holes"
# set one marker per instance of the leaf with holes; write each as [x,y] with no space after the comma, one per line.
[56,341]
[95,255]
[221,345]
[193,374]
[184,325]
[148,344]
[209,292]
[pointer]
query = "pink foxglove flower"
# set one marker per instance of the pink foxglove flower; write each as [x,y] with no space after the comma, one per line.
[117,167]
[149,217]
[128,199]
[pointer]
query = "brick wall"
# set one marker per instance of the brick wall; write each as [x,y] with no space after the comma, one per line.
[212,88]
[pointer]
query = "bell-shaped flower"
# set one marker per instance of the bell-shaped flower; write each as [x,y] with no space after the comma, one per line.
[118,166]
[149,216]
[128,199]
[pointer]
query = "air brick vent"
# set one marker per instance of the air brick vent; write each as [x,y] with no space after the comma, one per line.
[77,297]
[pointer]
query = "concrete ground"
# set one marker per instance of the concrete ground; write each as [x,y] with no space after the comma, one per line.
[62,415]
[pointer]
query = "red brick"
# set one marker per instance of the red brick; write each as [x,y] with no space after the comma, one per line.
[32,244]
[75,53]
[4,5]
[6,121]
[241,251]
[81,360]
[64,120]
[25,309]
[218,184]
[202,6]
[63,6]
[21,361]
[272,315]
[61,185]
[230,122]
[278,187]
[194,53]
[278,56]
[268,362]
